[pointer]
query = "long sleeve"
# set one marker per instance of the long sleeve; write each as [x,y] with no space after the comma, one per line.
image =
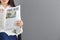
[19,30]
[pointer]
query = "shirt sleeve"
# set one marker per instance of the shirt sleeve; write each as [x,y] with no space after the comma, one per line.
[19,30]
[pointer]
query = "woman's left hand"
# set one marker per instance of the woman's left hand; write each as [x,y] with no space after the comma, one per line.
[19,23]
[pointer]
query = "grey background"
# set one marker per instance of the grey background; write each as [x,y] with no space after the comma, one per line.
[41,19]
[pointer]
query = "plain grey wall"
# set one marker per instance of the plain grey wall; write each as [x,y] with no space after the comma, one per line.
[41,19]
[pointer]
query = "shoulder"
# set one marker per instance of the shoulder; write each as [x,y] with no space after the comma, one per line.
[16,7]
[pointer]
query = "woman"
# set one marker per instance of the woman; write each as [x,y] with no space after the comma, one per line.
[4,4]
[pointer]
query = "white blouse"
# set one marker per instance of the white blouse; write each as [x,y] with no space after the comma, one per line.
[10,30]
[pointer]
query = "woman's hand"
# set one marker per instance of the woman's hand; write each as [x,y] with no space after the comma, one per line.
[19,23]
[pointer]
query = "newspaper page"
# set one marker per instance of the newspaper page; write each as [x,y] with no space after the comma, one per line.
[13,15]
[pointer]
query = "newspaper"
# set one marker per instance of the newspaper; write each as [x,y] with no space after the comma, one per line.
[12,15]
[8,20]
